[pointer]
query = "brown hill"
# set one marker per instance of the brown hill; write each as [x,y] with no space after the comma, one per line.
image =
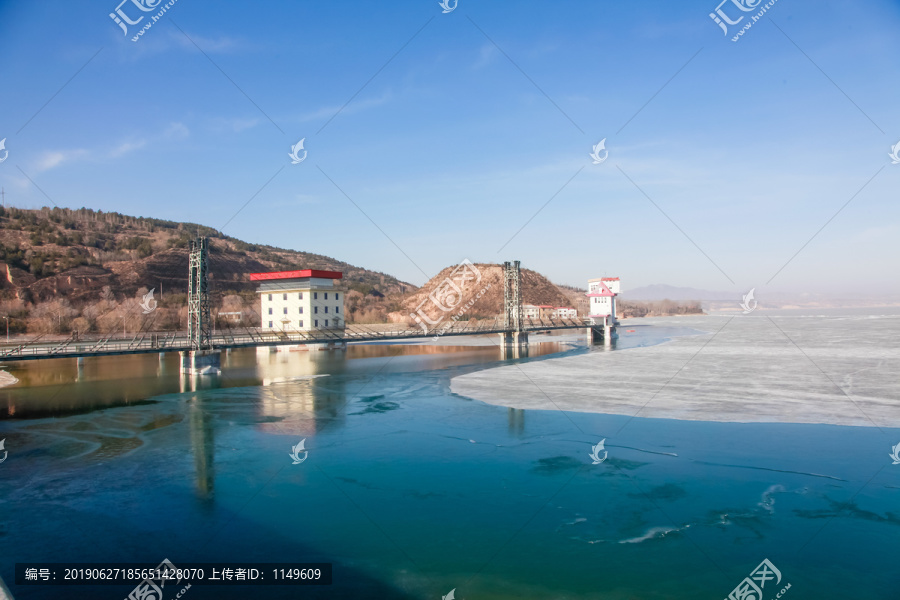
[60,269]
[51,253]
[457,288]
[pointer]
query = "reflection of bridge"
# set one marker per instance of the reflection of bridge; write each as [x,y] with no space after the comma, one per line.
[200,347]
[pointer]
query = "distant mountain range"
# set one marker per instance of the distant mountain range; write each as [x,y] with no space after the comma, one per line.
[671,292]
[731,300]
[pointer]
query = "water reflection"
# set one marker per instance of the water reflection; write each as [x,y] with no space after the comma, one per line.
[516,418]
[203,447]
[67,386]
[302,390]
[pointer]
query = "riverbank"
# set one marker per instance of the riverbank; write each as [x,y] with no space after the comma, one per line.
[748,369]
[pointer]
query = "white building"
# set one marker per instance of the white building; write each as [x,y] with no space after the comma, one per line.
[603,298]
[545,311]
[565,312]
[612,283]
[300,300]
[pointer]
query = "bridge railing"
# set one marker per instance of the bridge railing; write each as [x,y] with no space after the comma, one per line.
[86,345]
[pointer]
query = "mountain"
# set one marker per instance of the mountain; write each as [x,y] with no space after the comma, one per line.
[671,292]
[65,270]
[478,289]
[48,253]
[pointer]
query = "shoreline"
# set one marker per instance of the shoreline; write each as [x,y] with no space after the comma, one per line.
[744,369]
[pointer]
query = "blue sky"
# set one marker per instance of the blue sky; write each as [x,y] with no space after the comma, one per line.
[481,117]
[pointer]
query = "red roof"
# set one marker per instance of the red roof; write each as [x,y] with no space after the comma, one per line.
[609,279]
[544,306]
[296,275]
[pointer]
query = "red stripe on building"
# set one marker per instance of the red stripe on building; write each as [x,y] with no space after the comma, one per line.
[296,275]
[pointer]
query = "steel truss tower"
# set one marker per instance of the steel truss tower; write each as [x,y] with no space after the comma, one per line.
[198,296]
[512,297]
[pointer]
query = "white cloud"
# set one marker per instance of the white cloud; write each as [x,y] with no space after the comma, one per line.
[52,159]
[485,56]
[176,130]
[353,107]
[235,125]
[219,45]
[127,147]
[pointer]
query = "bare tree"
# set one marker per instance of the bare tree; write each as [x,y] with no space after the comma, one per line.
[53,316]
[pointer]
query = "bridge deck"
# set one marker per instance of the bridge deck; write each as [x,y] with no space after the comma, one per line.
[148,342]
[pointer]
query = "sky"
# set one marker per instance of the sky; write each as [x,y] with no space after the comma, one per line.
[431,137]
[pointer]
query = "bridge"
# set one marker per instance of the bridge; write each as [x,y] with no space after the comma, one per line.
[200,347]
[150,342]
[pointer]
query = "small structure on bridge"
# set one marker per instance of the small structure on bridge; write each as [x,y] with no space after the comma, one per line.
[602,293]
[305,300]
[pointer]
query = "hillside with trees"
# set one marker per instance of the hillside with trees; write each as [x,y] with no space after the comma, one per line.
[65,270]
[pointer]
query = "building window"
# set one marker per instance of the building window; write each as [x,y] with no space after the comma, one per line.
[270,312]
[301,322]
[326,322]
[270,296]
[337,296]
[316,309]
[270,323]
[326,309]
[337,309]
[317,322]
[285,310]
[315,295]
[326,295]
[284,297]
[301,310]
[300,296]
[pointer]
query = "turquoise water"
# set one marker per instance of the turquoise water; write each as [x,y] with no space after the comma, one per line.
[412,491]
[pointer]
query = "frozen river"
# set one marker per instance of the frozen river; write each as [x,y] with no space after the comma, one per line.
[413,487]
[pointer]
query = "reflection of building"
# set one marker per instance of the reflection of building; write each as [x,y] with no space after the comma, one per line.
[302,391]
[602,293]
[300,300]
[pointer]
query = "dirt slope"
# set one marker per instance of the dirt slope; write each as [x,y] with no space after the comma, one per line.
[454,289]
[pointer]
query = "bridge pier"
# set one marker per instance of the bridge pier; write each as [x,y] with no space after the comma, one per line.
[513,339]
[203,362]
[604,333]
